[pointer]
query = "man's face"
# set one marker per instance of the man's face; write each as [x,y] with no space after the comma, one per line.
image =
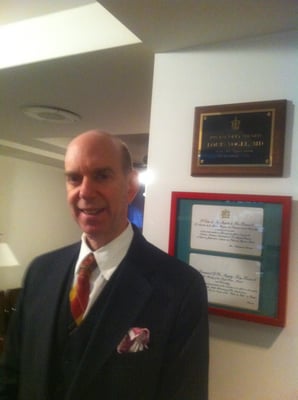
[98,191]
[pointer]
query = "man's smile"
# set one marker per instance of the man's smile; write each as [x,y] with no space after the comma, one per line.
[91,211]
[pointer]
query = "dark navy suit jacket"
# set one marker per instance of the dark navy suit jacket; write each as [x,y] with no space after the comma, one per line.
[150,289]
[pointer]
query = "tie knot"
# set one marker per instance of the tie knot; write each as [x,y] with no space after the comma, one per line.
[88,264]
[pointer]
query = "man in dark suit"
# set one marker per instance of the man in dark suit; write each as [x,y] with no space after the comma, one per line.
[143,332]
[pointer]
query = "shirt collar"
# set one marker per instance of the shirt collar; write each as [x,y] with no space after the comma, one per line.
[109,256]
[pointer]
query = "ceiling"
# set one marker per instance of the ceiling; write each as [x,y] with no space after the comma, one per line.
[111,88]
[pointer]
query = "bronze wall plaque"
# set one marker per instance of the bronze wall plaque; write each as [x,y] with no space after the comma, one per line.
[239,139]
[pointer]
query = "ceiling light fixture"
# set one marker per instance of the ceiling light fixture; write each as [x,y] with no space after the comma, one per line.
[51,114]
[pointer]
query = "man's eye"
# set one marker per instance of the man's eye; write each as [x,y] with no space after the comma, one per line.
[101,176]
[73,179]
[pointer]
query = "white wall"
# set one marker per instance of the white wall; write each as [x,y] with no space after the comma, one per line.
[248,361]
[34,216]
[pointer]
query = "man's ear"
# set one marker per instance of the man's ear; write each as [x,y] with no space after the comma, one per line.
[133,185]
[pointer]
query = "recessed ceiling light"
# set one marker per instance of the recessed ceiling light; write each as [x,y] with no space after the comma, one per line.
[51,114]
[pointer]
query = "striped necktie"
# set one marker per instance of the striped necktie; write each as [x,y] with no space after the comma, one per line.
[79,294]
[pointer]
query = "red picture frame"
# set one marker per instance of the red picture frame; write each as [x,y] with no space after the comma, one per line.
[255,288]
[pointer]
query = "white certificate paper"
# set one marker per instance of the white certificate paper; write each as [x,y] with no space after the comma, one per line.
[230,281]
[237,230]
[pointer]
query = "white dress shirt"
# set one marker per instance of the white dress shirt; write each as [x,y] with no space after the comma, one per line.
[108,258]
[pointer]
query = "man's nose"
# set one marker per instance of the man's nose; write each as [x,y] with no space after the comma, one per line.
[87,188]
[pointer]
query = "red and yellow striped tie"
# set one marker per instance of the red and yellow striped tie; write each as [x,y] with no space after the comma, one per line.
[79,294]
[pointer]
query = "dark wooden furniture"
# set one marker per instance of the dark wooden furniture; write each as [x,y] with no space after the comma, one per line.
[8,300]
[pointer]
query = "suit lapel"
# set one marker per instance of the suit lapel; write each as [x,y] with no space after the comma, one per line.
[128,293]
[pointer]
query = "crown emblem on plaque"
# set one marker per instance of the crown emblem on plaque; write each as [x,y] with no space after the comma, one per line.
[225,214]
[235,124]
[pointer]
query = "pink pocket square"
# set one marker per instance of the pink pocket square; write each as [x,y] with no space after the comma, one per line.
[135,340]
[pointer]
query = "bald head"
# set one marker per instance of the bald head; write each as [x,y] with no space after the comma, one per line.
[100,139]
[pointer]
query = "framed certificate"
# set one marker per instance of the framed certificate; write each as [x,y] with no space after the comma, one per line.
[239,243]
[245,139]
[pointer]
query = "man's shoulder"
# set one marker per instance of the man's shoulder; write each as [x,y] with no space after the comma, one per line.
[54,257]
[163,265]
[60,252]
